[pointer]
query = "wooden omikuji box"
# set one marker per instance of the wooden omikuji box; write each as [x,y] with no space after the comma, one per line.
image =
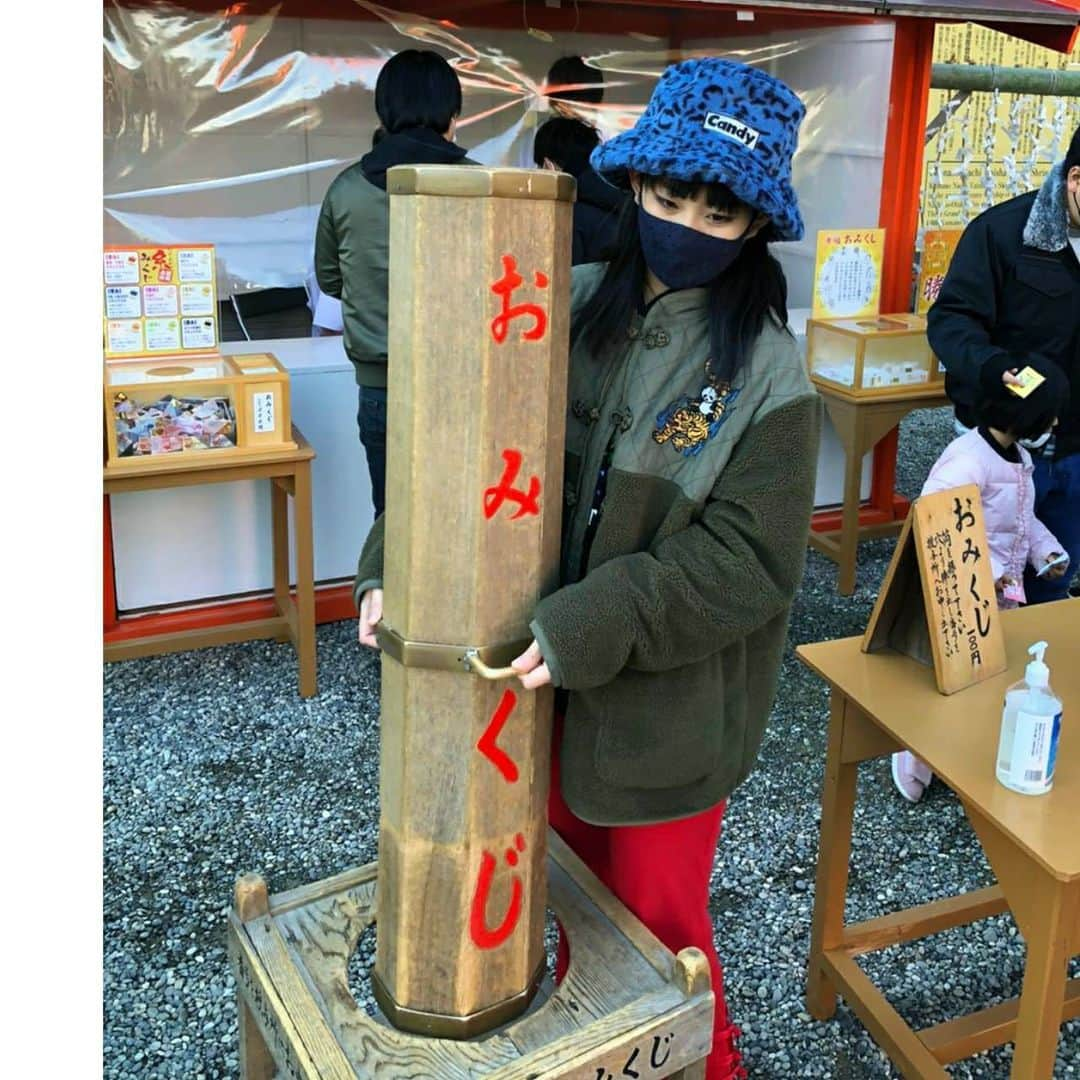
[181,409]
[880,357]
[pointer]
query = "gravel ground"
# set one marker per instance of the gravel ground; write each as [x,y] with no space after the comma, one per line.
[214,766]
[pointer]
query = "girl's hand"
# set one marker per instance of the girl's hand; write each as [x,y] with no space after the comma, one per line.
[370,614]
[1004,582]
[534,672]
[1058,571]
[1009,378]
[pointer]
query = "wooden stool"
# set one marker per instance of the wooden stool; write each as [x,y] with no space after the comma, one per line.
[289,473]
[860,425]
[627,1007]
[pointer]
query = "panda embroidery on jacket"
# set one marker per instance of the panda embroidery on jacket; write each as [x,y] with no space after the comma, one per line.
[689,423]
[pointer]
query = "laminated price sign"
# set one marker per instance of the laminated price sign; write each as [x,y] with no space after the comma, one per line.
[847,273]
[159,300]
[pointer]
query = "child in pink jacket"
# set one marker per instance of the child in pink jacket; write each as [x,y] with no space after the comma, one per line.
[994,457]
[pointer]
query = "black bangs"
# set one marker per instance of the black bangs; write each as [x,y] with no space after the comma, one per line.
[718,196]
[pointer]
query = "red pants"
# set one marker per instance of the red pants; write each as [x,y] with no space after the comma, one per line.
[661,873]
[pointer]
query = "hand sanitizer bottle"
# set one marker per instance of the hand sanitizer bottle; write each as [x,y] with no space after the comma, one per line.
[1030,728]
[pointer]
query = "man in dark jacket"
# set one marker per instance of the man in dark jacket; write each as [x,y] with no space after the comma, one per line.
[1013,289]
[565,144]
[418,100]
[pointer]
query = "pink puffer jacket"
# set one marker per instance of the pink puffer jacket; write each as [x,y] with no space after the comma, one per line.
[1016,536]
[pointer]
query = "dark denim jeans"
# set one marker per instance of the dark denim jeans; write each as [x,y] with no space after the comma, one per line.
[371,419]
[1057,506]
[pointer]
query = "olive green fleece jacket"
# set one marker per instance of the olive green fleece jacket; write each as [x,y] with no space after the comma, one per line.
[670,639]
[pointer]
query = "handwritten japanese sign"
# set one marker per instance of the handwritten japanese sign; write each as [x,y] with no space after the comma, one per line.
[847,273]
[159,300]
[938,248]
[944,542]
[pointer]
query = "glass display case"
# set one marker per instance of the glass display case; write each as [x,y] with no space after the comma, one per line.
[887,355]
[185,407]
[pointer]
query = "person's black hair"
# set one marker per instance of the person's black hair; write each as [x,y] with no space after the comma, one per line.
[1072,158]
[417,89]
[567,142]
[573,71]
[1032,416]
[747,293]
[377,136]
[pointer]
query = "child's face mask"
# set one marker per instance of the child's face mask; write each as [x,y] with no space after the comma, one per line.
[681,257]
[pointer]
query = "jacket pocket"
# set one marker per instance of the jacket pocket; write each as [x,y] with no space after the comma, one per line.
[662,730]
[1045,276]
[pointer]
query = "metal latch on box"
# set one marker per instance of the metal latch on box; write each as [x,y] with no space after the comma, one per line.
[487,661]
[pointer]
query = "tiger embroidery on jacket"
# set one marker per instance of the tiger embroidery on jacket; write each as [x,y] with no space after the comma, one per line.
[689,423]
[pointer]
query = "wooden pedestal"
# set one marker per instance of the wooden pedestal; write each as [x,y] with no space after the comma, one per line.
[860,426]
[627,1007]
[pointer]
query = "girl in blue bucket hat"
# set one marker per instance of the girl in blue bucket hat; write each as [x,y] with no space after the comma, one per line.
[691,452]
[691,455]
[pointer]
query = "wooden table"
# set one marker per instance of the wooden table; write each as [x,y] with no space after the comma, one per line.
[289,473]
[884,702]
[860,425]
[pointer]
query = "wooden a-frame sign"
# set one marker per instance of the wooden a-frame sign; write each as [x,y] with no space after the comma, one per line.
[937,602]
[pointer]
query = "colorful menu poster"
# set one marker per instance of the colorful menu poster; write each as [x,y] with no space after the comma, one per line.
[847,273]
[937,253]
[159,300]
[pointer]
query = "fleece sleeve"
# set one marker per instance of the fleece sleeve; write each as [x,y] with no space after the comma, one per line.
[960,321]
[327,264]
[369,567]
[730,572]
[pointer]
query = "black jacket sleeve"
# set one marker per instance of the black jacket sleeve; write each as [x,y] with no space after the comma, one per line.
[961,322]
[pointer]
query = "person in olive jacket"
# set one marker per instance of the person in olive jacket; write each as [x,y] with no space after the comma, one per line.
[691,454]
[1013,290]
[418,100]
[565,144]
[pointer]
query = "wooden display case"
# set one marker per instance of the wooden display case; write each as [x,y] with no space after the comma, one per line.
[182,408]
[881,357]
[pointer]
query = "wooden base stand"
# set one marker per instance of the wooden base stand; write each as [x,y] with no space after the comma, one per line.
[860,425]
[626,1002]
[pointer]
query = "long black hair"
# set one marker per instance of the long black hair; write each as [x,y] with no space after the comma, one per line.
[750,291]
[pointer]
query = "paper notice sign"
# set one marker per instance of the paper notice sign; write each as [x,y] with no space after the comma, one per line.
[196,264]
[162,335]
[161,286]
[123,336]
[196,299]
[199,333]
[160,300]
[262,409]
[121,268]
[122,302]
[847,273]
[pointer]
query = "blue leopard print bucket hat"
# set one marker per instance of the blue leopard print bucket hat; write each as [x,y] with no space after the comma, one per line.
[716,121]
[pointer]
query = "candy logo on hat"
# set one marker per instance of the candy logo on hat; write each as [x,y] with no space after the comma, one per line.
[732,128]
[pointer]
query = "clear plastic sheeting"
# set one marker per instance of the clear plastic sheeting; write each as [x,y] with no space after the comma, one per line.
[227,127]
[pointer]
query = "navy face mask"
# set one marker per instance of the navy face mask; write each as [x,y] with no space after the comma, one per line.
[681,257]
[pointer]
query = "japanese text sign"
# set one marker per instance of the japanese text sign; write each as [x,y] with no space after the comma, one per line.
[847,273]
[159,300]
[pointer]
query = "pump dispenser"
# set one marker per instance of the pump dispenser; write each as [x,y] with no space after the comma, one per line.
[1030,729]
